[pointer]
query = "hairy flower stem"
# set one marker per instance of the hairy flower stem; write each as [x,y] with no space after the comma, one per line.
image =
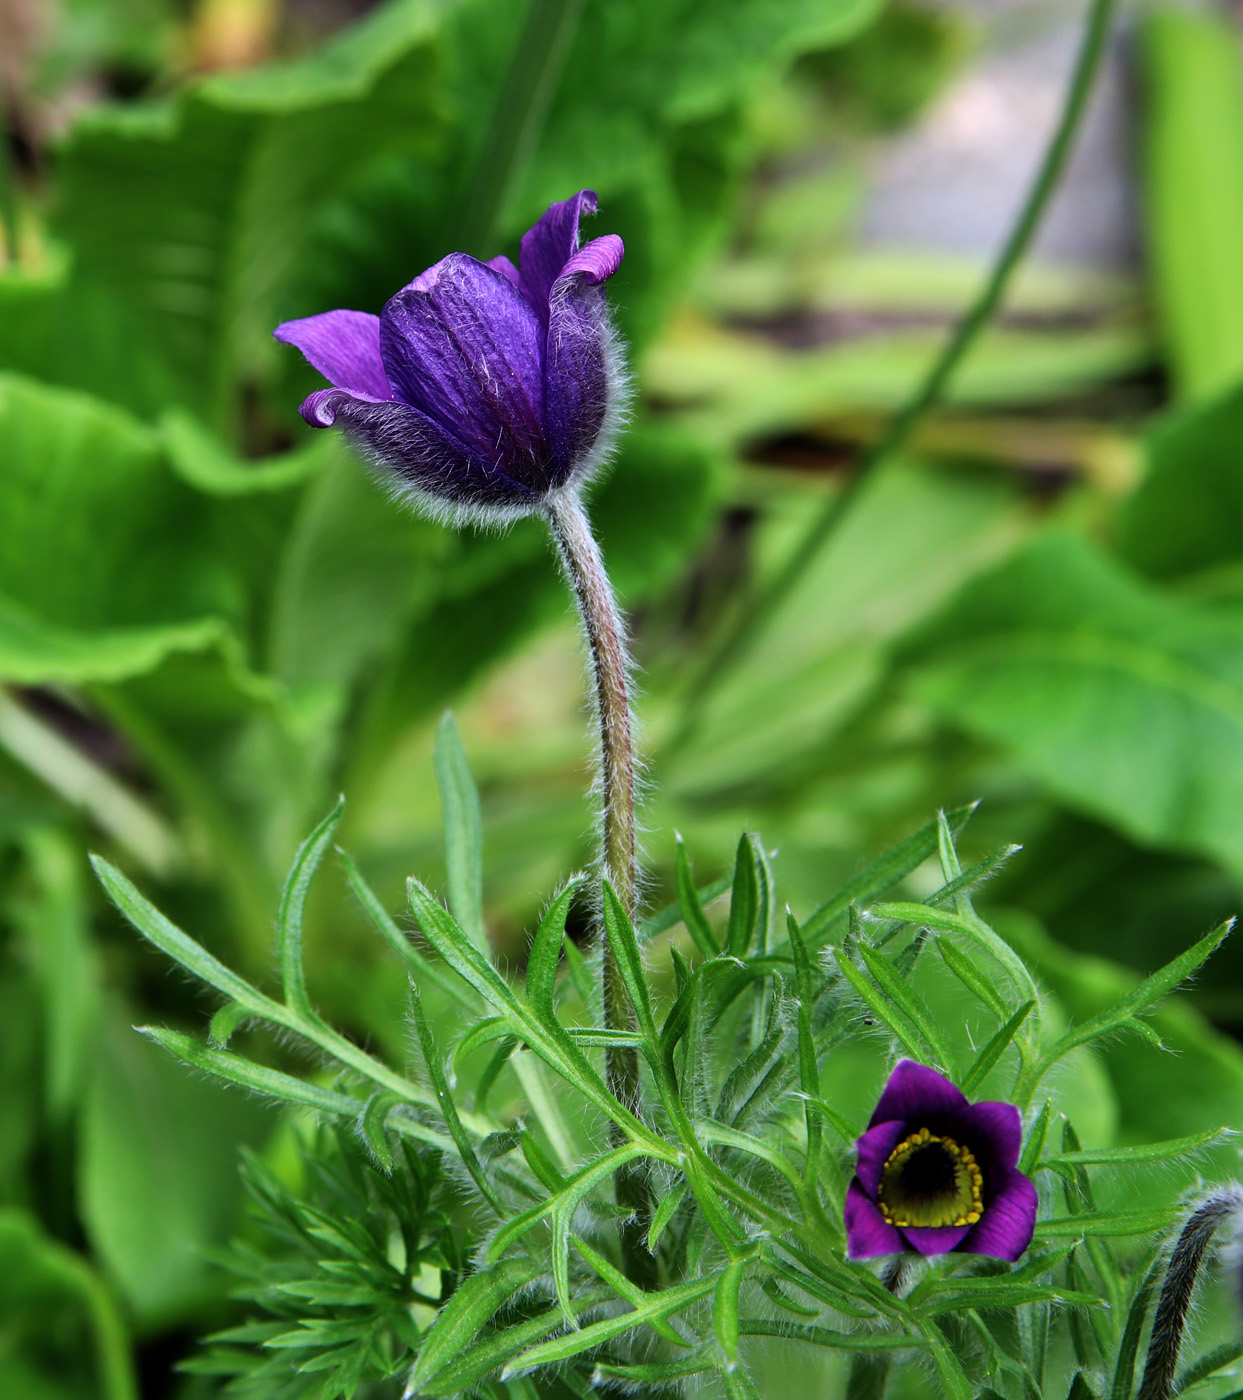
[605,633]
[1180,1282]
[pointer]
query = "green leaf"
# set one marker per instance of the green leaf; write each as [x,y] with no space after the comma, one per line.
[624,1289]
[690,906]
[826,1337]
[908,1002]
[996,1047]
[1207,1365]
[463,831]
[189,219]
[725,1307]
[545,955]
[1193,171]
[157,1172]
[293,902]
[880,875]
[1074,667]
[808,1064]
[1141,998]
[903,1031]
[621,935]
[181,948]
[460,1320]
[1170,1150]
[448,1107]
[662,1304]
[1005,1294]
[1121,1224]
[47,1291]
[972,978]
[1128,1346]
[666,1209]
[423,968]
[744,900]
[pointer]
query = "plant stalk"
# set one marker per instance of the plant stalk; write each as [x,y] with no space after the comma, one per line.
[604,631]
[930,392]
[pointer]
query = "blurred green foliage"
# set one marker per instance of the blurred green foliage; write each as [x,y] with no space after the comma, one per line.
[210,622]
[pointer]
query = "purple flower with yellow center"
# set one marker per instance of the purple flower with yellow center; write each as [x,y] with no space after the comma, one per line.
[936,1174]
[481,389]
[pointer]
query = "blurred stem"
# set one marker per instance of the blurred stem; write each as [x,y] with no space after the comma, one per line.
[76,777]
[517,119]
[8,196]
[604,631]
[761,607]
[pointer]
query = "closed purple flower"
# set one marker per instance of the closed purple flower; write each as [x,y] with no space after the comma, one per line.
[481,389]
[937,1174]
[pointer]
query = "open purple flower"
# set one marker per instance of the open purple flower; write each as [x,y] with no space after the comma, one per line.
[937,1174]
[481,388]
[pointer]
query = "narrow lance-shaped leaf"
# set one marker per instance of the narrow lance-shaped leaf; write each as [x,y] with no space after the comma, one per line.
[663,1304]
[744,901]
[691,907]
[881,875]
[459,799]
[423,968]
[462,1317]
[1141,998]
[996,1047]
[181,948]
[293,903]
[908,1001]
[448,1108]
[808,1065]
[725,1308]
[545,954]
[884,1011]
[624,1289]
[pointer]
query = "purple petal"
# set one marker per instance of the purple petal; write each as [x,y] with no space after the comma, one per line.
[461,345]
[344,346]
[580,380]
[996,1134]
[1009,1220]
[868,1233]
[503,265]
[412,452]
[548,245]
[873,1150]
[595,263]
[929,1240]
[915,1093]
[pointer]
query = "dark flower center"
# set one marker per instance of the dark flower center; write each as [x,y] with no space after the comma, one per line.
[930,1181]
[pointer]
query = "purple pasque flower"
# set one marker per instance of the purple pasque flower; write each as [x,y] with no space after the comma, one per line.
[937,1174]
[481,388]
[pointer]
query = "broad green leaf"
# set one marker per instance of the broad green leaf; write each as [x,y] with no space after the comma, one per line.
[54,929]
[157,1173]
[189,217]
[1193,169]
[1124,702]
[1186,518]
[47,1291]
